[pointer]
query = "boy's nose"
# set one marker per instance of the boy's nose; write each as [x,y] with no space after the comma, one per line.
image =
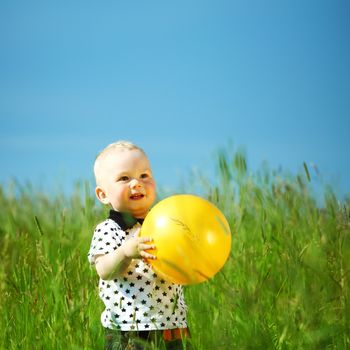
[135,183]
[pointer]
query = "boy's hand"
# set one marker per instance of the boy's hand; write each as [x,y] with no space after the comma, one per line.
[135,248]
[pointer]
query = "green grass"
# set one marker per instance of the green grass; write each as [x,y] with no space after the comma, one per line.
[285,285]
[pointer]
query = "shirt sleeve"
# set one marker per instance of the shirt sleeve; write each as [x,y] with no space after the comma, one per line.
[106,239]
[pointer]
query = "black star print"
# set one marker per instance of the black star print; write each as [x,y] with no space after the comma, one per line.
[134,291]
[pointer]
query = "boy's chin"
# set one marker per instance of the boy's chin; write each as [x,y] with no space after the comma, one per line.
[140,211]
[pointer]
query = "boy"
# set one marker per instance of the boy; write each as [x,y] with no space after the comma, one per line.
[140,307]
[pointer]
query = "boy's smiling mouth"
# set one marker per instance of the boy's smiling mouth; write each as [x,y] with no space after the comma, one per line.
[137,196]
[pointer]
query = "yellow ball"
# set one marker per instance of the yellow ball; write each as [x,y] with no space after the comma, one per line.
[192,238]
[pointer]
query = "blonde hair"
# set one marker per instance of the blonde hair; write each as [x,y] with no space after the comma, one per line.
[118,145]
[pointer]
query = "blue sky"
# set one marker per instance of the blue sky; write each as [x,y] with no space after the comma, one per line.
[180,78]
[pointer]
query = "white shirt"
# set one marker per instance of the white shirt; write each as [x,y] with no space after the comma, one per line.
[139,300]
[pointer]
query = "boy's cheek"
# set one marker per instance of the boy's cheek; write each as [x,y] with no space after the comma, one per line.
[152,185]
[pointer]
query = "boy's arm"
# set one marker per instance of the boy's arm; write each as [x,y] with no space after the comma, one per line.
[114,264]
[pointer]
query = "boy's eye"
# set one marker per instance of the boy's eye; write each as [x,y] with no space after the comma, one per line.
[144,176]
[124,178]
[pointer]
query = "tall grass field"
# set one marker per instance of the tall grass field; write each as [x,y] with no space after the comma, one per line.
[284,286]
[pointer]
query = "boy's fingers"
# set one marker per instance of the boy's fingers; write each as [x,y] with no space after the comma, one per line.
[145,239]
[146,246]
[146,255]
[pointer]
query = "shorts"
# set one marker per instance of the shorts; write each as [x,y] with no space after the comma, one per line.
[144,340]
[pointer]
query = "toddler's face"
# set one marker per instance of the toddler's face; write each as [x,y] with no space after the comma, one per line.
[126,182]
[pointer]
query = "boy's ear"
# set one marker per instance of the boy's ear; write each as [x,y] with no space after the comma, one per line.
[101,195]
